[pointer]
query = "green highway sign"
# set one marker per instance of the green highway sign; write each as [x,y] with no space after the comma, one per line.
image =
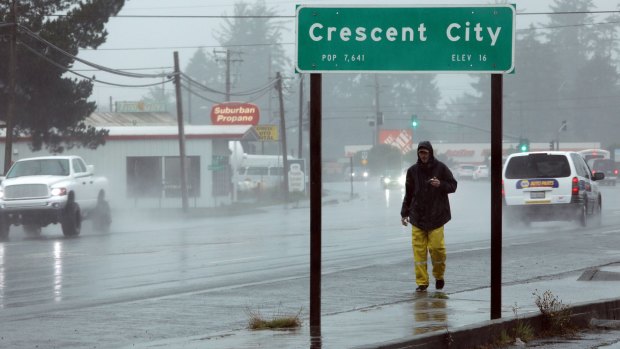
[451,39]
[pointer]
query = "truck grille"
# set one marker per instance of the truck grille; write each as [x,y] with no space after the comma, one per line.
[25,191]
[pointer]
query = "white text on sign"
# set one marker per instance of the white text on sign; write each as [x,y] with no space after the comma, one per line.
[454,32]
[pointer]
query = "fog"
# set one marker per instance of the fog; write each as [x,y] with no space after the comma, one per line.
[239,243]
[546,88]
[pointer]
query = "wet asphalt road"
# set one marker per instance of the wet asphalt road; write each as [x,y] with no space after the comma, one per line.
[160,276]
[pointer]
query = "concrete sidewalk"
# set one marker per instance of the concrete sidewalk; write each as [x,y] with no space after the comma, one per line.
[430,320]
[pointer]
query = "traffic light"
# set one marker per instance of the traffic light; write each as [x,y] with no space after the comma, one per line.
[524,145]
[414,121]
[380,118]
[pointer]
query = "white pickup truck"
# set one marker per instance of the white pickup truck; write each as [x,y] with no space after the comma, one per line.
[53,189]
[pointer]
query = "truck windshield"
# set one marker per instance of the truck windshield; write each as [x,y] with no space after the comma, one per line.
[43,167]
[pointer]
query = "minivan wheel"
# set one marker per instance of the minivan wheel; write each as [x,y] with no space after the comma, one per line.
[583,219]
[599,212]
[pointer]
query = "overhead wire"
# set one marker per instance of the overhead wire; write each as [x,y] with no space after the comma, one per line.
[199,95]
[169,76]
[260,93]
[241,93]
[91,64]
[60,66]
[294,16]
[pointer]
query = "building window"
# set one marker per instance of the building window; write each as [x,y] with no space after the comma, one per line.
[172,176]
[156,176]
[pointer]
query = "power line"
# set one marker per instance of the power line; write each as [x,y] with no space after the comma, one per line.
[195,16]
[124,69]
[242,93]
[94,65]
[199,95]
[568,13]
[292,43]
[187,47]
[293,16]
[84,76]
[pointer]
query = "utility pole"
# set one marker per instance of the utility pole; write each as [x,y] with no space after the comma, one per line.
[228,60]
[177,84]
[8,143]
[301,116]
[283,135]
[189,102]
[377,110]
[227,75]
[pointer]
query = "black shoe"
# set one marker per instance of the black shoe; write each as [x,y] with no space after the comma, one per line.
[421,288]
[439,284]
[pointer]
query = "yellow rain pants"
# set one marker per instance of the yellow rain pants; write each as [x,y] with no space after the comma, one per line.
[425,242]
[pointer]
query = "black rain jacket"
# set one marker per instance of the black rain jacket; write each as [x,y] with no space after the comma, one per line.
[428,207]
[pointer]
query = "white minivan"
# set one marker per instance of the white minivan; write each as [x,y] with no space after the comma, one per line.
[549,186]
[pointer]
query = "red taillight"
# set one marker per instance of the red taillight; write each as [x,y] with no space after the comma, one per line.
[593,171]
[503,192]
[616,172]
[575,187]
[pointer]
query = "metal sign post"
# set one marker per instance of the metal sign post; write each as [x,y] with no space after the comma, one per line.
[373,39]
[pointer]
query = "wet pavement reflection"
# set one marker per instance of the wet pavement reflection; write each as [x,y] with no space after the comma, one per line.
[316,342]
[430,313]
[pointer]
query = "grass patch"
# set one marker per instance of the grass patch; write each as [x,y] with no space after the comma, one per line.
[279,321]
[556,315]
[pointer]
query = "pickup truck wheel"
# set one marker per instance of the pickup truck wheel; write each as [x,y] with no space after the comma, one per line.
[71,220]
[32,230]
[102,217]
[4,227]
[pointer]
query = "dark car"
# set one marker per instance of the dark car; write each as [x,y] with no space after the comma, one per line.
[606,166]
[356,174]
[393,179]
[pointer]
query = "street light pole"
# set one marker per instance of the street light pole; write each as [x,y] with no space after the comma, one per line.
[557,138]
[8,143]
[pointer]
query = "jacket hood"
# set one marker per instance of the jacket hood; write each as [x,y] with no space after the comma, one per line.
[426,145]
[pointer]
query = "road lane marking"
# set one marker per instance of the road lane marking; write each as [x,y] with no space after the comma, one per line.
[610,232]
[235,260]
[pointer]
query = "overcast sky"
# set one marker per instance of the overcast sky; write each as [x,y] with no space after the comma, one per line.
[139,43]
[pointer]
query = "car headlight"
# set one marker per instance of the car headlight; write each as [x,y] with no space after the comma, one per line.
[59,191]
[1,193]
[365,174]
[386,180]
[402,179]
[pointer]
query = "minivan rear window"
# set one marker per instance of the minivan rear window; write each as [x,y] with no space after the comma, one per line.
[537,166]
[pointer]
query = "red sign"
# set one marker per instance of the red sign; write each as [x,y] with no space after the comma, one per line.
[234,113]
[401,139]
[460,153]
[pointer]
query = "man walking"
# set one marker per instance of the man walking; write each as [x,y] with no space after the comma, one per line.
[427,208]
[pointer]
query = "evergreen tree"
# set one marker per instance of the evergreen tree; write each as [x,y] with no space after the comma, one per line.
[565,70]
[205,71]
[50,106]
[256,53]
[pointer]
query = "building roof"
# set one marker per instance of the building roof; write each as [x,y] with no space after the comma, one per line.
[233,132]
[130,119]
